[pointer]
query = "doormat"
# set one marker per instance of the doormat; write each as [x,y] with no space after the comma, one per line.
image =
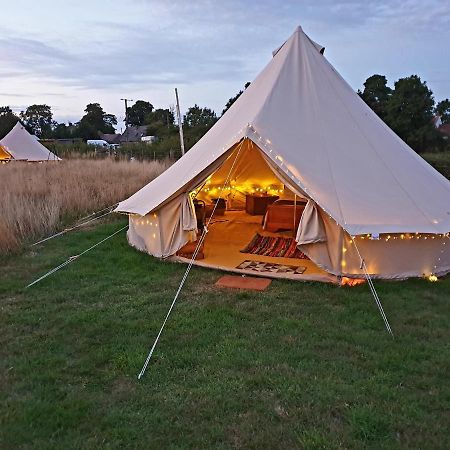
[277,247]
[259,266]
[239,282]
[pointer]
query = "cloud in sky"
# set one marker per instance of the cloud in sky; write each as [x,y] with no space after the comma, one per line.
[70,53]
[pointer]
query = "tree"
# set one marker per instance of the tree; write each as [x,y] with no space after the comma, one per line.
[38,120]
[137,113]
[63,131]
[110,121]
[199,117]
[7,120]
[443,109]
[376,94]
[161,123]
[197,122]
[410,112]
[165,116]
[233,99]
[95,121]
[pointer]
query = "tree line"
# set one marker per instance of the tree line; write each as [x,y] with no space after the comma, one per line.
[408,109]
[38,120]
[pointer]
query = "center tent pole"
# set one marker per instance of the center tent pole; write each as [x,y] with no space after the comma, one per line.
[295,214]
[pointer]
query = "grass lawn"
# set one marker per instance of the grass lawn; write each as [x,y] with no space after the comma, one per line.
[302,365]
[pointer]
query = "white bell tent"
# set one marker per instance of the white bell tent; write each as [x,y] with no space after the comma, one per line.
[22,146]
[301,132]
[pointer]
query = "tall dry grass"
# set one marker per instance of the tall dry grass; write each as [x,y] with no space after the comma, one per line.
[38,199]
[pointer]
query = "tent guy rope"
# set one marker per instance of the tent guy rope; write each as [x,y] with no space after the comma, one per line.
[73,258]
[373,290]
[98,212]
[66,230]
[191,262]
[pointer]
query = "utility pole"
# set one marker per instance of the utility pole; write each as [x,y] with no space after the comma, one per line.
[180,124]
[126,100]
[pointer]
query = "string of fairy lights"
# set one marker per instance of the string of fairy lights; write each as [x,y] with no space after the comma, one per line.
[266,143]
[272,189]
[402,237]
[245,188]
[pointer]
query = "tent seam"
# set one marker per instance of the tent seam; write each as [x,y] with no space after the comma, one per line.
[325,148]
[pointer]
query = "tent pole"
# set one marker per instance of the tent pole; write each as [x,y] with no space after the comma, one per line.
[373,290]
[295,214]
[180,123]
[191,262]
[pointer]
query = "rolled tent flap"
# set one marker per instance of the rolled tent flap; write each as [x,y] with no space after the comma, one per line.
[311,228]
[163,232]
[325,239]
[188,214]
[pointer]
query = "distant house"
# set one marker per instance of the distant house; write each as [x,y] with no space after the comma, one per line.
[134,134]
[445,130]
[442,128]
[111,138]
[130,135]
[437,122]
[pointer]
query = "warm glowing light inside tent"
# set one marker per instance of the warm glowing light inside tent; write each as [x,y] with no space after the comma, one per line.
[243,188]
[345,281]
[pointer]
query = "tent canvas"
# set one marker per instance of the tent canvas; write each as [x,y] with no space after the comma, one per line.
[369,194]
[22,146]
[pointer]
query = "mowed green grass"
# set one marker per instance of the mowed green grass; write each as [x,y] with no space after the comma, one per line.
[302,365]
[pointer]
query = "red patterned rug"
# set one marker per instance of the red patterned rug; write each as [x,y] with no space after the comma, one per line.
[278,247]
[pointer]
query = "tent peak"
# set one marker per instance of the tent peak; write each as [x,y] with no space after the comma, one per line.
[299,35]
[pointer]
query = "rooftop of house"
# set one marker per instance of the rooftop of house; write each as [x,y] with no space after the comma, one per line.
[134,134]
[437,122]
[111,138]
[445,129]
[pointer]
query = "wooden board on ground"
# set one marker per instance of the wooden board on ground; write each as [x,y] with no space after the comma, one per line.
[239,282]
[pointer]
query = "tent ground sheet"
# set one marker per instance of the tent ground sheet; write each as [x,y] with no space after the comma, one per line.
[229,234]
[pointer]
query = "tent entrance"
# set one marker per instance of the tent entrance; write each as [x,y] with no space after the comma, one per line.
[255,222]
[4,155]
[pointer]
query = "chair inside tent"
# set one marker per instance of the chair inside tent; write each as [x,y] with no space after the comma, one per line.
[252,218]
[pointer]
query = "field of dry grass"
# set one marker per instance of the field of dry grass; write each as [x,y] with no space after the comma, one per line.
[38,199]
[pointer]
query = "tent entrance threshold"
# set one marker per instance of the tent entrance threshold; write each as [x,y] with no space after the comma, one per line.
[324,277]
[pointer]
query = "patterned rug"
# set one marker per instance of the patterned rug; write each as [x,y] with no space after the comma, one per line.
[274,246]
[259,266]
